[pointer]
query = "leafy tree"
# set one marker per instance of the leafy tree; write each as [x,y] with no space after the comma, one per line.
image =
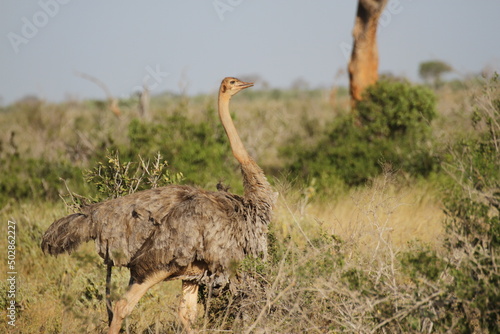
[432,70]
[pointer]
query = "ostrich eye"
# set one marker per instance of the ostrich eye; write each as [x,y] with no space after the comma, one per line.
[232,82]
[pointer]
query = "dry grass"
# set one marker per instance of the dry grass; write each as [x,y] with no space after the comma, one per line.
[64,294]
[403,214]
[308,290]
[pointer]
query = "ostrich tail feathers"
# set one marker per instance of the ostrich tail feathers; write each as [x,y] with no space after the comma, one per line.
[66,234]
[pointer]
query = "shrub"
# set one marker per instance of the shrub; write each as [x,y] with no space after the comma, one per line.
[470,297]
[114,178]
[393,109]
[280,291]
[33,178]
[199,149]
[422,262]
[473,216]
[391,124]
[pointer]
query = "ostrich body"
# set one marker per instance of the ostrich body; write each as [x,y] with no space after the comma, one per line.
[175,232]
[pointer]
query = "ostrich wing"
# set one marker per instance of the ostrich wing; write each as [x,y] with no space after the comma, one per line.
[121,226]
[202,226]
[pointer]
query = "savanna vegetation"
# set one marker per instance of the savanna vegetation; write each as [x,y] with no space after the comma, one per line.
[387,220]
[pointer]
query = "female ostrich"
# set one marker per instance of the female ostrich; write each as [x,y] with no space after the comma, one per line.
[175,232]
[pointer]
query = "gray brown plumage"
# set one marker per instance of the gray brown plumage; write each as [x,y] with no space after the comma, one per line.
[175,231]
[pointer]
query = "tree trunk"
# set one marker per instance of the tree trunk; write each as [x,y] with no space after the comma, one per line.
[363,67]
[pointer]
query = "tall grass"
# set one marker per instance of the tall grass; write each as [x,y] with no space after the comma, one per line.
[316,261]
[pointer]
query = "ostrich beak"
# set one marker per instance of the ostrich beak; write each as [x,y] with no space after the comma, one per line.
[244,85]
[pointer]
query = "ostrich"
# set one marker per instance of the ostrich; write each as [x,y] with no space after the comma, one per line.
[175,232]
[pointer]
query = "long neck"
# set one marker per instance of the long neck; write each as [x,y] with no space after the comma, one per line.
[255,183]
[239,151]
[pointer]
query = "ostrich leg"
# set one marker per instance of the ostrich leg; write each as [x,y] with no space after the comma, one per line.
[124,306]
[188,305]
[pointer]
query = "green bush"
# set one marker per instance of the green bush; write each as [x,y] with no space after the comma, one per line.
[396,110]
[199,149]
[31,178]
[390,125]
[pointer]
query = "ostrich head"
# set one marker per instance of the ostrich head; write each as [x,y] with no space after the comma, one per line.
[230,86]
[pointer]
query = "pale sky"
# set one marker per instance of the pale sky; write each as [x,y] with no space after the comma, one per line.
[192,45]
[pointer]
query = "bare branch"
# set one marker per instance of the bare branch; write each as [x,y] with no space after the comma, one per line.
[113,102]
